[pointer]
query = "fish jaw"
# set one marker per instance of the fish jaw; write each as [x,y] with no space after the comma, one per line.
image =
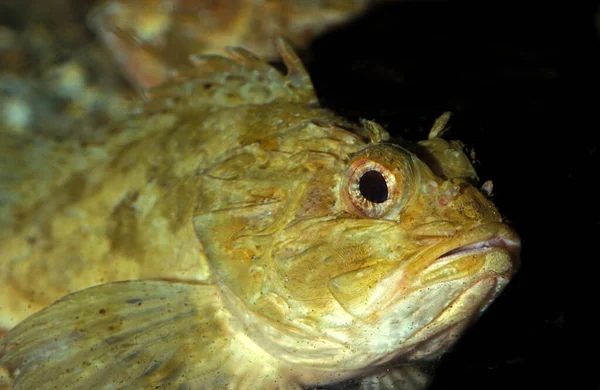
[488,250]
[437,294]
[417,320]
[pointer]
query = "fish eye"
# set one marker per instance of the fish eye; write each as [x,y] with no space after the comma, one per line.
[378,182]
[373,187]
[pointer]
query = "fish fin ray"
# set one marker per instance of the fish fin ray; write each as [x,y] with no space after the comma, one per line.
[241,78]
[142,66]
[136,334]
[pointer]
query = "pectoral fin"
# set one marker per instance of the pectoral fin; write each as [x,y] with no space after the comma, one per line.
[137,335]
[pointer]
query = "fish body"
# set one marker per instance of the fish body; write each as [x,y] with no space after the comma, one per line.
[233,234]
[150,39]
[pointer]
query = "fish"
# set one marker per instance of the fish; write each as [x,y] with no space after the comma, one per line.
[149,39]
[233,234]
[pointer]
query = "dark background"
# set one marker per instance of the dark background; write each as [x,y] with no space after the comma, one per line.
[521,84]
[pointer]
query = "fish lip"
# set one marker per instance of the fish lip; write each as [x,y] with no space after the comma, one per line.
[481,246]
[477,240]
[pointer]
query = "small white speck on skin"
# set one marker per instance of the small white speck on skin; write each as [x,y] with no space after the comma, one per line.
[16,114]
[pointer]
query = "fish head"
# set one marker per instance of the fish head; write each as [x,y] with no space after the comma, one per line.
[361,253]
[438,255]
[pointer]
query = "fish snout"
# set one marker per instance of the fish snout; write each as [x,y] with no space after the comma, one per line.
[489,250]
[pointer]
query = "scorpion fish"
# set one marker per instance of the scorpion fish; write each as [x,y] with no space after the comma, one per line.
[233,234]
[151,38]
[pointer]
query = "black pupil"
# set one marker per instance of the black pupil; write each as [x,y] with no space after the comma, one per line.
[372,186]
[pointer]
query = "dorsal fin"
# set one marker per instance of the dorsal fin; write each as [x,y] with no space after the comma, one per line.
[241,78]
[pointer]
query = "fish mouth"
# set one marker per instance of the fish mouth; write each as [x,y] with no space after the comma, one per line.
[494,246]
[444,289]
[449,286]
[481,246]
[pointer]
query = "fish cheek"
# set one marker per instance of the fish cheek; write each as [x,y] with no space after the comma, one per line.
[318,201]
[360,291]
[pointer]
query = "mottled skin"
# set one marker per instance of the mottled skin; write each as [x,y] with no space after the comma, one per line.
[128,194]
[241,194]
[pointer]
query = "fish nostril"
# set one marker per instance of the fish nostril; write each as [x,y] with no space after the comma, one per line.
[450,193]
